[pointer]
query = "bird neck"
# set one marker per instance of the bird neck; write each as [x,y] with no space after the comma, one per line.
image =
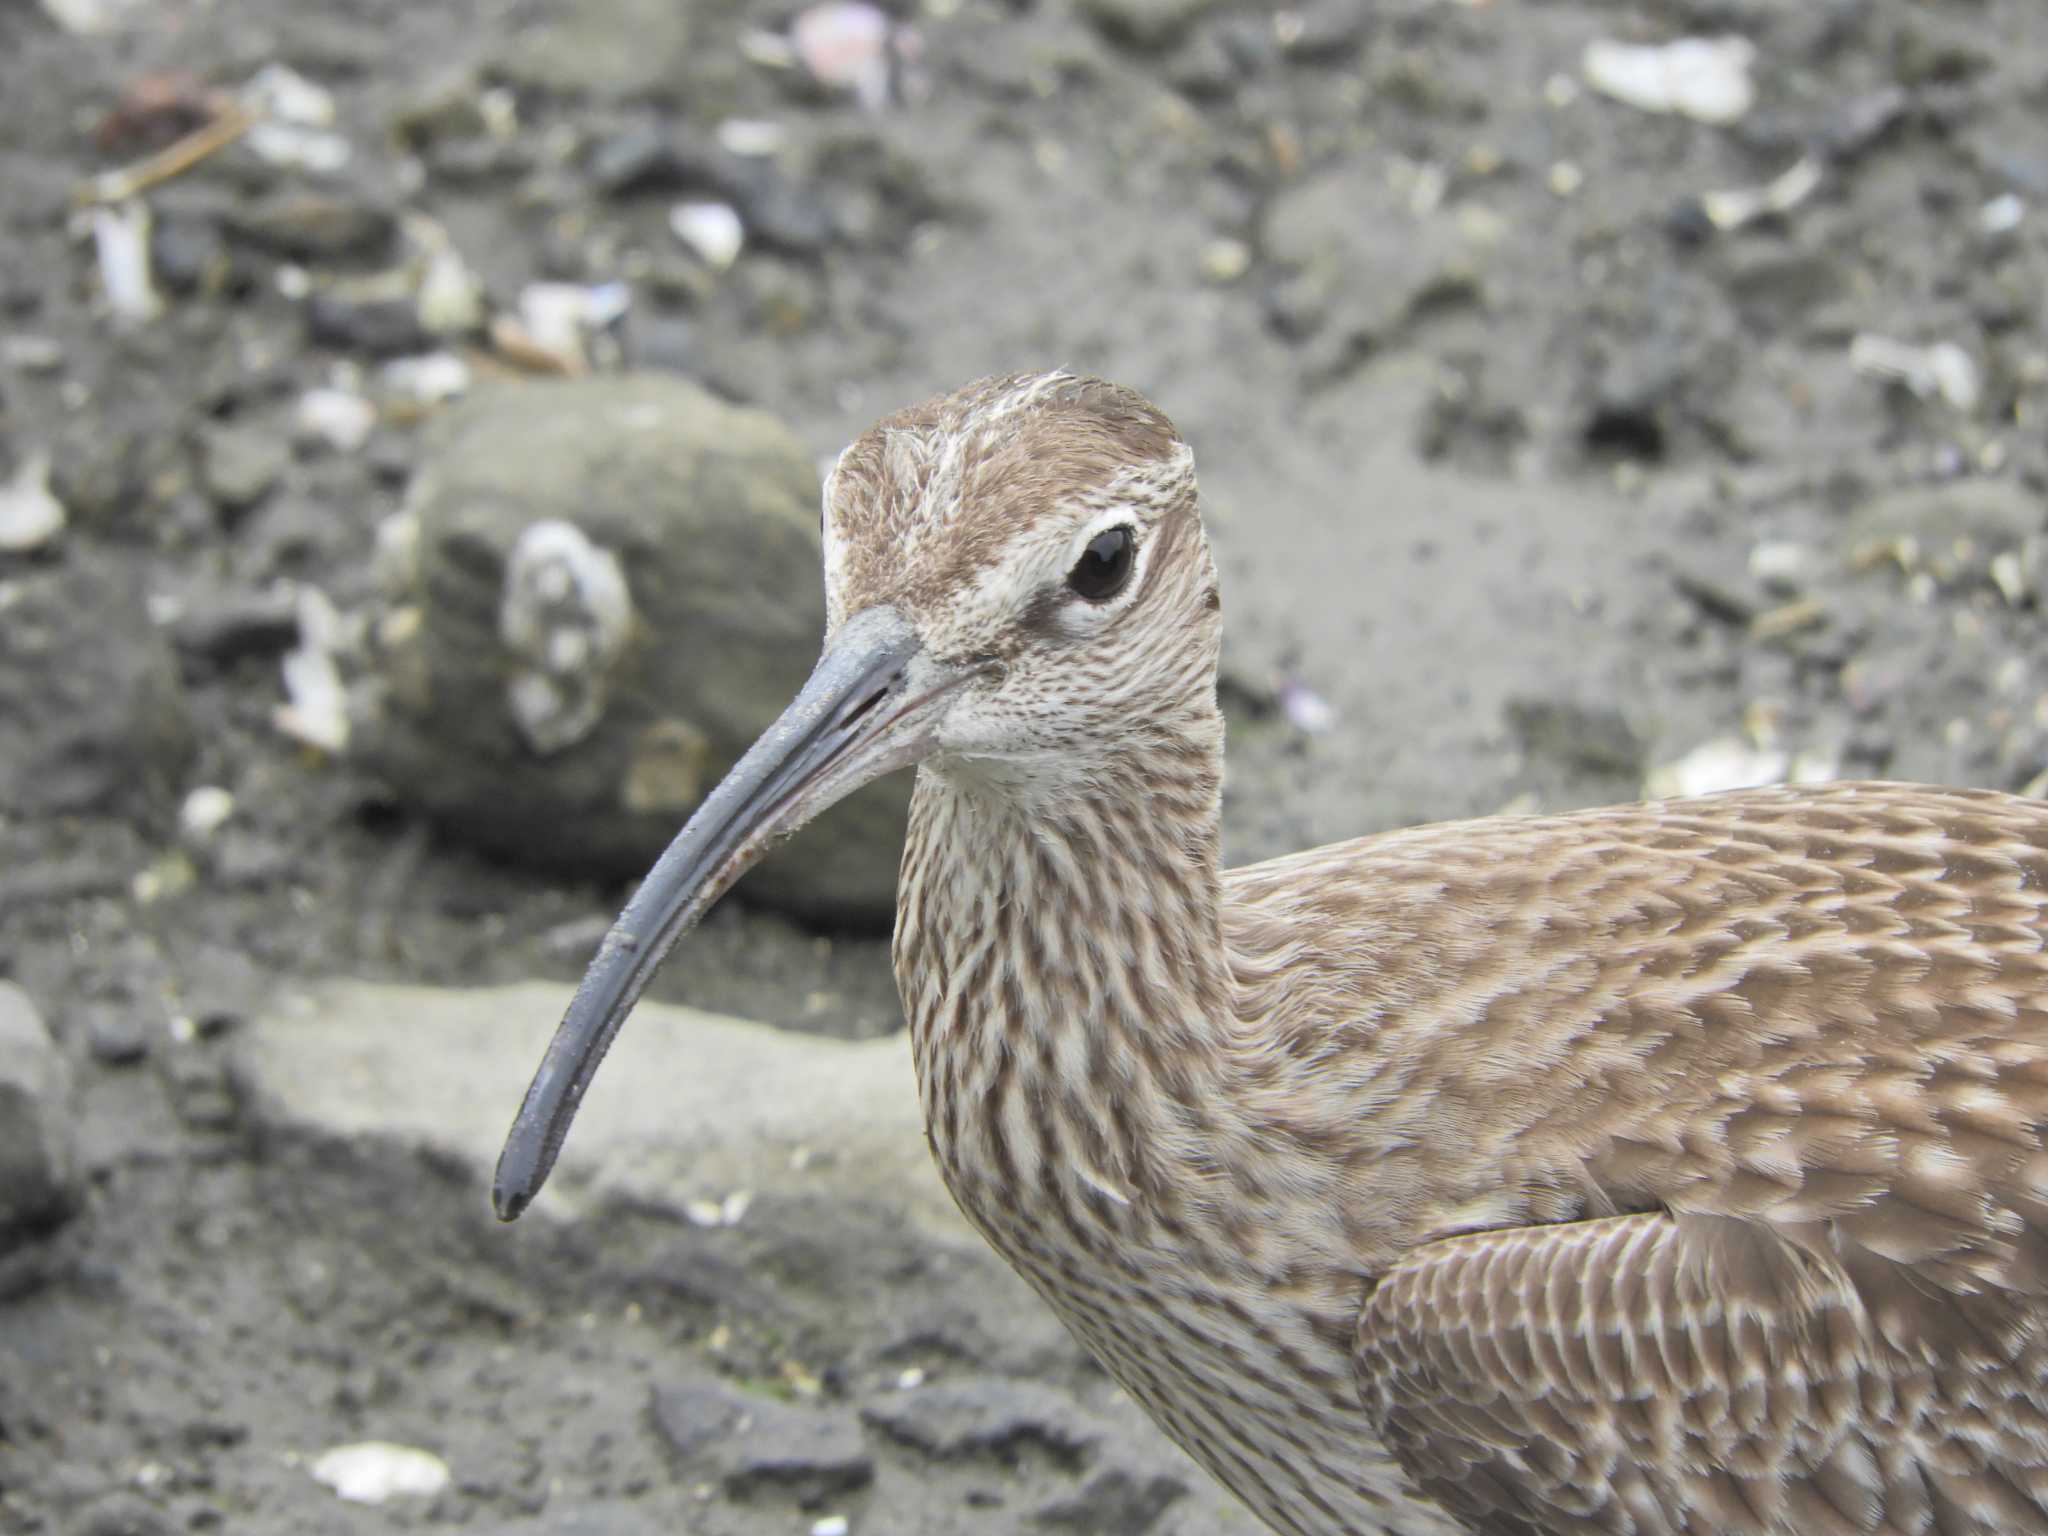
[1063,970]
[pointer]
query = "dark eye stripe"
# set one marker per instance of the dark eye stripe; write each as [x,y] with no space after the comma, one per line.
[1105,565]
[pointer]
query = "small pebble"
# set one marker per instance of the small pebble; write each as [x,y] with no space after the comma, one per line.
[204,812]
[116,1036]
[1225,260]
[336,417]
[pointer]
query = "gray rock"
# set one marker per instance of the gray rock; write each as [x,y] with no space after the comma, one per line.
[382,327]
[240,465]
[117,1034]
[317,226]
[683,532]
[608,50]
[38,1168]
[1117,1501]
[1145,24]
[92,713]
[1350,259]
[688,1105]
[758,1446]
[985,1416]
[1593,737]
[1956,528]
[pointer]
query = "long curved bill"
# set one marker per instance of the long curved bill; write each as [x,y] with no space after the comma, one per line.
[869,707]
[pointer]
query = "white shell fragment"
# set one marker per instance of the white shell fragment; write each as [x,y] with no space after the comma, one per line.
[430,378]
[1943,371]
[564,615]
[845,44]
[204,812]
[1306,710]
[120,235]
[315,710]
[1743,205]
[298,148]
[286,96]
[752,138]
[729,1212]
[30,513]
[2002,214]
[558,316]
[89,18]
[1729,762]
[1703,78]
[339,418]
[711,230]
[372,1471]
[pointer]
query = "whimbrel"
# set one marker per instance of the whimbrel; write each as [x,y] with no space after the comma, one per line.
[1678,1167]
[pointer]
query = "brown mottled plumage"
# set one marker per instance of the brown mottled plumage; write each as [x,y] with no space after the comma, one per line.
[1667,1168]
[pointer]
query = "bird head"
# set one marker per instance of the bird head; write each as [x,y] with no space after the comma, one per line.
[1018,595]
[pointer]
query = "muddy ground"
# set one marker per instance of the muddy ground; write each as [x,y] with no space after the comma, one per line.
[1531,469]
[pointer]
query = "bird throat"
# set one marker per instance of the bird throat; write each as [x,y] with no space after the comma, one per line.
[1068,1000]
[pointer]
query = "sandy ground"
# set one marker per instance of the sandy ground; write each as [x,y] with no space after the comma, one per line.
[1532,471]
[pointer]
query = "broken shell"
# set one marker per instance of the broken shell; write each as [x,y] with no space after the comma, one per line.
[1733,209]
[120,235]
[337,417]
[1703,78]
[564,614]
[372,1471]
[712,230]
[1724,763]
[204,812]
[30,513]
[1943,370]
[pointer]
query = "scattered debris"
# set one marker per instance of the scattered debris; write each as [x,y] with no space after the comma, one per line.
[845,44]
[30,513]
[204,811]
[1733,209]
[1306,710]
[90,18]
[2002,214]
[1704,78]
[31,354]
[120,235]
[228,124]
[286,96]
[552,330]
[294,121]
[1225,260]
[432,378]
[340,418]
[1788,619]
[752,138]
[372,1471]
[1728,762]
[1943,370]
[712,230]
[1781,564]
[729,1212]
[316,707]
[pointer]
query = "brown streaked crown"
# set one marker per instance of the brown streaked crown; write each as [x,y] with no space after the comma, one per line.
[931,496]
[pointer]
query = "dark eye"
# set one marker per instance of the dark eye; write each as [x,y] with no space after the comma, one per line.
[1105,565]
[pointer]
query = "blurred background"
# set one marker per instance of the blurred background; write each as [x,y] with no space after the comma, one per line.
[411,417]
